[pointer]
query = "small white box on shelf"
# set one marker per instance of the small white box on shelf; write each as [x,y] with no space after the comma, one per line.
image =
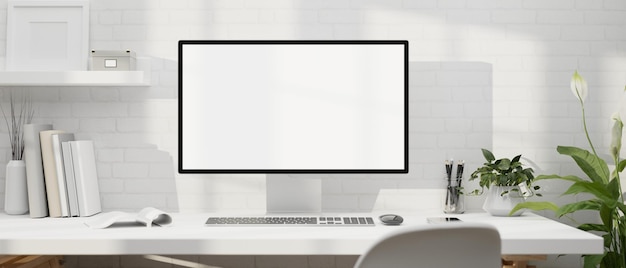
[112,60]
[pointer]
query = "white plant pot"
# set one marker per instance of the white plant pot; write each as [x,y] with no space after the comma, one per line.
[16,192]
[498,204]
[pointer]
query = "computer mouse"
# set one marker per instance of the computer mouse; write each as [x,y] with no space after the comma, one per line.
[391,219]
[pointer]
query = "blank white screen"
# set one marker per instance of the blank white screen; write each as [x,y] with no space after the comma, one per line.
[289,107]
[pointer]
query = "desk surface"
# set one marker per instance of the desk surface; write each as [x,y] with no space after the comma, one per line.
[21,235]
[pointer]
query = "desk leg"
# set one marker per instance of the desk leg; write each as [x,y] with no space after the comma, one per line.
[31,261]
[521,261]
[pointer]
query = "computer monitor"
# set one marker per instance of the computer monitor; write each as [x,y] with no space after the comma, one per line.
[293,106]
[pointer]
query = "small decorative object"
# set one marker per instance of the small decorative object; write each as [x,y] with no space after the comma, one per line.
[507,181]
[455,203]
[112,60]
[16,193]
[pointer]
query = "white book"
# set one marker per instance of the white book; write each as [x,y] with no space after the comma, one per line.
[86,177]
[57,150]
[37,200]
[68,165]
[50,173]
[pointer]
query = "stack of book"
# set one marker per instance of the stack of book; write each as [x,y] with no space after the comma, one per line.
[61,173]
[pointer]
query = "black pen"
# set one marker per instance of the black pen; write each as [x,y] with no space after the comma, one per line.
[459,173]
[449,171]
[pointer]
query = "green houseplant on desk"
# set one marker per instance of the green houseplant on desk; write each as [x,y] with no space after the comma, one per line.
[603,186]
[507,182]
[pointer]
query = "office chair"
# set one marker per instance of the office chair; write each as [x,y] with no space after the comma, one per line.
[445,245]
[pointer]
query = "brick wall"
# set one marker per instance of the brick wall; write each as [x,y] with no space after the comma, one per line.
[484,73]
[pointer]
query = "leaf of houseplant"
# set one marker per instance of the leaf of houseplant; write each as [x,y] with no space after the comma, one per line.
[606,214]
[544,205]
[571,178]
[592,227]
[488,155]
[619,168]
[599,190]
[614,188]
[590,164]
[592,261]
[503,164]
[622,207]
[607,240]
[582,205]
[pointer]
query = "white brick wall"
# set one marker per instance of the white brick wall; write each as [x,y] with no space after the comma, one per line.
[486,73]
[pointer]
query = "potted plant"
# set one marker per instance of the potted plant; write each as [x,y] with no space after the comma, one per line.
[508,183]
[602,185]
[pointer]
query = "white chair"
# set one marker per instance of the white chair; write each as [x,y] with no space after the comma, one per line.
[446,245]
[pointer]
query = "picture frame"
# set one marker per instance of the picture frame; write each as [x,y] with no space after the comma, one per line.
[47,35]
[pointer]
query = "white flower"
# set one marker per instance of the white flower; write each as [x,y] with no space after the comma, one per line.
[579,87]
[616,135]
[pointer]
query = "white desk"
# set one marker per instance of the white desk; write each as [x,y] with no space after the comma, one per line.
[20,235]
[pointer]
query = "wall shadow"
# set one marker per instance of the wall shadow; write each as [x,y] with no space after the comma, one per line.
[450,117]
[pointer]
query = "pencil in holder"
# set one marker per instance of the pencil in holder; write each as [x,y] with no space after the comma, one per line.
[455,201]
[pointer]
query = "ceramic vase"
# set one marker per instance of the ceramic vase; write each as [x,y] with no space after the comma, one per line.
[16,192]
[502,199]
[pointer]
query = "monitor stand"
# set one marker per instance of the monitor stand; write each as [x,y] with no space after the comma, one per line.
[289,193]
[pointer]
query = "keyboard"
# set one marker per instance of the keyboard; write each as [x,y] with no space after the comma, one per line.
[289,221]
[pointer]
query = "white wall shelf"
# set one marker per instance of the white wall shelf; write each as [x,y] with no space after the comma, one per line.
[75,78]
[141,77]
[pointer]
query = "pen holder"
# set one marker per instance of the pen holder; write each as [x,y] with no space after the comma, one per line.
[455,201]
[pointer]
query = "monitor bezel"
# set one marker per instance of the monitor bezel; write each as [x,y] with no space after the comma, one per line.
[404,169]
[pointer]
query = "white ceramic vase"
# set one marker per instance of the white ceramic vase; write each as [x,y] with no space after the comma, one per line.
[16,192]
[499,204]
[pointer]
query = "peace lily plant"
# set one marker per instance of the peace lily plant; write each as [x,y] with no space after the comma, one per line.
[602,185]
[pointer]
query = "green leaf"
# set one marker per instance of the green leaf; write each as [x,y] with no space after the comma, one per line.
[593,227]
[606,214]
[571,178]
[535,206]
[608,238]
[614,189]
[599,190]
[592,261]
[589,163]
[488,155]
[621,166]
[504,164]
[529,173]
[622,207]
[582,205]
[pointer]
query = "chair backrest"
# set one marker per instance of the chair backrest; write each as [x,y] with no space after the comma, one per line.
[444,245]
